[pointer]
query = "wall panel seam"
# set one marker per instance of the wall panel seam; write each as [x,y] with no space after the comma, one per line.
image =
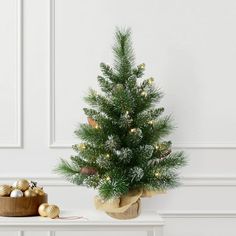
[19,79]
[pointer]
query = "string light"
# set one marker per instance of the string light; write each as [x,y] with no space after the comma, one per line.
[127,113]
[150,122]
[82,146]
[150,81]
[133,130]
[157,174]
[144,94]
[141,66]
[107,155]
[108,178]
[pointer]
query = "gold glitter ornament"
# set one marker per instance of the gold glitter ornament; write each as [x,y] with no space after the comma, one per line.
[38,191]
[22,184]
[5,190]
[30,193]
[53,211]
[42,209]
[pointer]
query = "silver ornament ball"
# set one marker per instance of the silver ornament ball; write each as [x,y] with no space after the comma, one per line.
[16,193]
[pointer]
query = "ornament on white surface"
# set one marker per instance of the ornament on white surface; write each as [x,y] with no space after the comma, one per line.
[42,209]
[16,193]
[53,211]
[5,190]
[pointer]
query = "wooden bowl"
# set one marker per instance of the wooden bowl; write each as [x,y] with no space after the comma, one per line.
[21,206]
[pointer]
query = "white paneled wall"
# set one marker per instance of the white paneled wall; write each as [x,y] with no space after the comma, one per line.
[50,52]
[11,74]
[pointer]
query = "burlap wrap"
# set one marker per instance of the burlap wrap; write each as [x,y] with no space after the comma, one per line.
[120,205]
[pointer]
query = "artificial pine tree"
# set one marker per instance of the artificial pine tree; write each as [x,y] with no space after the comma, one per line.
[123,147]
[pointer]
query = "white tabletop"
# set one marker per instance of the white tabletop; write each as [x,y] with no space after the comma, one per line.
[90,218]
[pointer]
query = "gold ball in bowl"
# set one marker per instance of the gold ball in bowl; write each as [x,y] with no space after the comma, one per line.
[30,193]
[52,211]
[5,190]
[42,209]
[38,191]
[22,184]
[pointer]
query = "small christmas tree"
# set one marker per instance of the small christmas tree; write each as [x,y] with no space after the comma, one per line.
[123,147]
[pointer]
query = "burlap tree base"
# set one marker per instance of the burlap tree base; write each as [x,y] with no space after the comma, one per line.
[125,207]
[132,212]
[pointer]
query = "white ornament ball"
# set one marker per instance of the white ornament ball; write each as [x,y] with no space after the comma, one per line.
[16,193]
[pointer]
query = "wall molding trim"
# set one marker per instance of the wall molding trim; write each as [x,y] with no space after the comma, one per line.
[197,214]
[52,141]
[52,116]
[19,78]
[187,181]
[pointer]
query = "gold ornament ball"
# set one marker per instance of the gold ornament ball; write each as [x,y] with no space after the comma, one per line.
[5,190]
[42,209]
[22,184]
[38,191]
[52,211]
[30,193]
